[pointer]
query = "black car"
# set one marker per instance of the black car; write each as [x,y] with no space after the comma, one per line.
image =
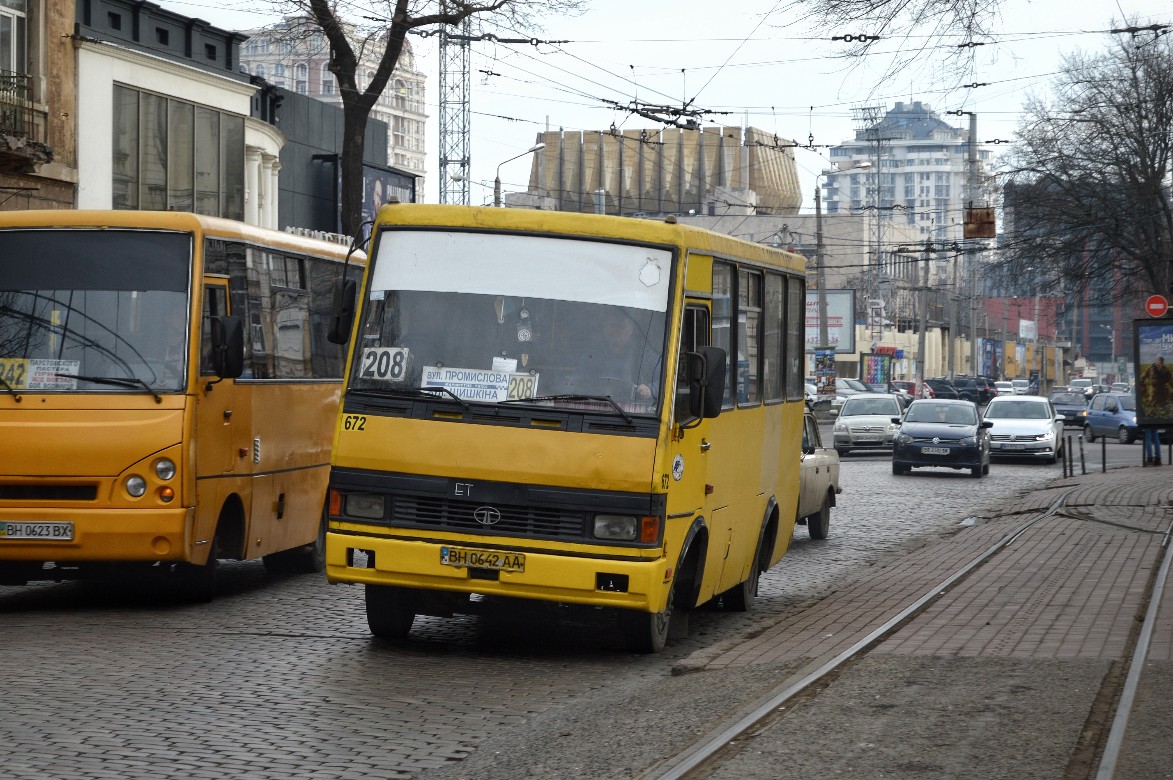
[978,389]
[939,388]
[949,434]
[1072,404]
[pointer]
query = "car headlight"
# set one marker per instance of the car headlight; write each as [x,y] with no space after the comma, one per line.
[369,505]
[903,438]
[840,427]
[968,441]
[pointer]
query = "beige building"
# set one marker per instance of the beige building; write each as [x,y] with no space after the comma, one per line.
[711,170]
[38,93]
[294,55]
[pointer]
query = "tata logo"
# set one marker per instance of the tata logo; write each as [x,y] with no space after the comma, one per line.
[487,515]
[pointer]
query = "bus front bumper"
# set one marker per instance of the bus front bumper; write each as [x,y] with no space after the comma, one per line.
[95,535]
[563,577]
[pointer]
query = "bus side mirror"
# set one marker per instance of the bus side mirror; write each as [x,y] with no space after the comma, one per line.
[227,346]
[342,311]
[706,381]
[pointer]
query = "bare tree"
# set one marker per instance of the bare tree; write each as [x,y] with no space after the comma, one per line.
[382,37]
[1087,184]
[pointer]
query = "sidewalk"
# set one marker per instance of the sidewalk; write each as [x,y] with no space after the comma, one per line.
[1057,608]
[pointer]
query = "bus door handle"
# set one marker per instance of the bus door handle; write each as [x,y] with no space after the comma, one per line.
[227,413]
[705,445]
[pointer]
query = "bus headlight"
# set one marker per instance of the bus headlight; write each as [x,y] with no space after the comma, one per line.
[136,485]
[164,469]
[619,528]
[369,505]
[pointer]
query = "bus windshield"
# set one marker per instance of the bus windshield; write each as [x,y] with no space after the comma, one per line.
[94,310]
[490,318]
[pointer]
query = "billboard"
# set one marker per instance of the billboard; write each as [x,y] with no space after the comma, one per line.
[840,321]
[1152,354]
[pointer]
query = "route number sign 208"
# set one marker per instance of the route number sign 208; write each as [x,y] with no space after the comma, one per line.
[386,364]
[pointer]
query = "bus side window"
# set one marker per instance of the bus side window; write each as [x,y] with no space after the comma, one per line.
[215,305]
[694,333]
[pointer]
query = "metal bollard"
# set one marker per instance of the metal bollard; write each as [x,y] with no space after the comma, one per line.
[1104,454]
[1082,456]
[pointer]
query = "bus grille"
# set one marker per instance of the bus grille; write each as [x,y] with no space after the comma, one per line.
[419,512]
[48,492]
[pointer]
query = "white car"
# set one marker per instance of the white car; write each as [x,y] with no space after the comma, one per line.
[818,481]
[865,422]
[1005,388]
[1024,426]
[1021,386]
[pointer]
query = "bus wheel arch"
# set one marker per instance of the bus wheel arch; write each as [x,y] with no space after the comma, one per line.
[647,632]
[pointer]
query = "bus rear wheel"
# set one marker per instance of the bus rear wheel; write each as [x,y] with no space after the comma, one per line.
[390,611]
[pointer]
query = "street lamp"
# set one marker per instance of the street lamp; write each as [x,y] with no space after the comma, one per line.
[1112,344]
[497,180]
[820,263]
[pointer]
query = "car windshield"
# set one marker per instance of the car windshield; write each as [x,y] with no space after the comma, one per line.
[575,324]
[1017,410]
[1081,383]
[855,384]
[882,406]
[950,414]
[1067,398]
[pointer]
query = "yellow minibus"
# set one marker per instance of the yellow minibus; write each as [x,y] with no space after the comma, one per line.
[582,409]
[168,393]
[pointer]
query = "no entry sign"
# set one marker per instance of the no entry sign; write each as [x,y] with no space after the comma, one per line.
[1156,306]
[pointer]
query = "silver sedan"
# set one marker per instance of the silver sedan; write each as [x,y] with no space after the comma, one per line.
[1024,427]
[865,422]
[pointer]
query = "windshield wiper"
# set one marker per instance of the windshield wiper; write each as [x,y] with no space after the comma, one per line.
[421,392]
[573,397]
[112,380]
[11,389]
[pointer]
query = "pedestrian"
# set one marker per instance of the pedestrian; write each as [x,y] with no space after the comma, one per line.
[1152,447]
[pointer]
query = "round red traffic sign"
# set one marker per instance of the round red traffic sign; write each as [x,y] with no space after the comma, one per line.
[1156,306]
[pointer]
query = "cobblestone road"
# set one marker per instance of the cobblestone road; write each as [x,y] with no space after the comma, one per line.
[278,678]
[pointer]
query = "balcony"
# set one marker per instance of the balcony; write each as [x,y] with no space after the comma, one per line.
[22,126]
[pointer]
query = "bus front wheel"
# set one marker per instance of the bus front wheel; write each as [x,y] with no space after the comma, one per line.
[390,611]
[307,559]
[646,632]
[198,583]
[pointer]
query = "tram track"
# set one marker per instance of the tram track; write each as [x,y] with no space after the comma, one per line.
[1100,745]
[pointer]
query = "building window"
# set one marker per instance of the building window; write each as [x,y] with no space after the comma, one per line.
[327,85]
[13,14]
[259,70]
[173,155]
[278,69]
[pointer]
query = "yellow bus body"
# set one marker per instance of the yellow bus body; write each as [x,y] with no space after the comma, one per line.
[251,455]
[727,485]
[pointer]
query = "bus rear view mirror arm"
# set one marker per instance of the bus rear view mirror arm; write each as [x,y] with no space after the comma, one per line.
[227,347]
[342,310]
[706,384]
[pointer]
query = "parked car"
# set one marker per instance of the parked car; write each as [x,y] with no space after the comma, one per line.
[939,388]
[818,481]
[935,432]
[1111,414]
[865,422]
[1023,387]
[1024,427]
[844,389]
[906,386]
[1004,388]
[1121,387]
[1071,404]
[974,388]
[890,387]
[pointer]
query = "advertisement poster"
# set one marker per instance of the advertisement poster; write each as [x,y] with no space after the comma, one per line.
[840,321]
[825,372]
[1153,340]
[875,369]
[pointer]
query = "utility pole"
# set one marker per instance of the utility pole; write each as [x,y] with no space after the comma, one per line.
[924,314]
